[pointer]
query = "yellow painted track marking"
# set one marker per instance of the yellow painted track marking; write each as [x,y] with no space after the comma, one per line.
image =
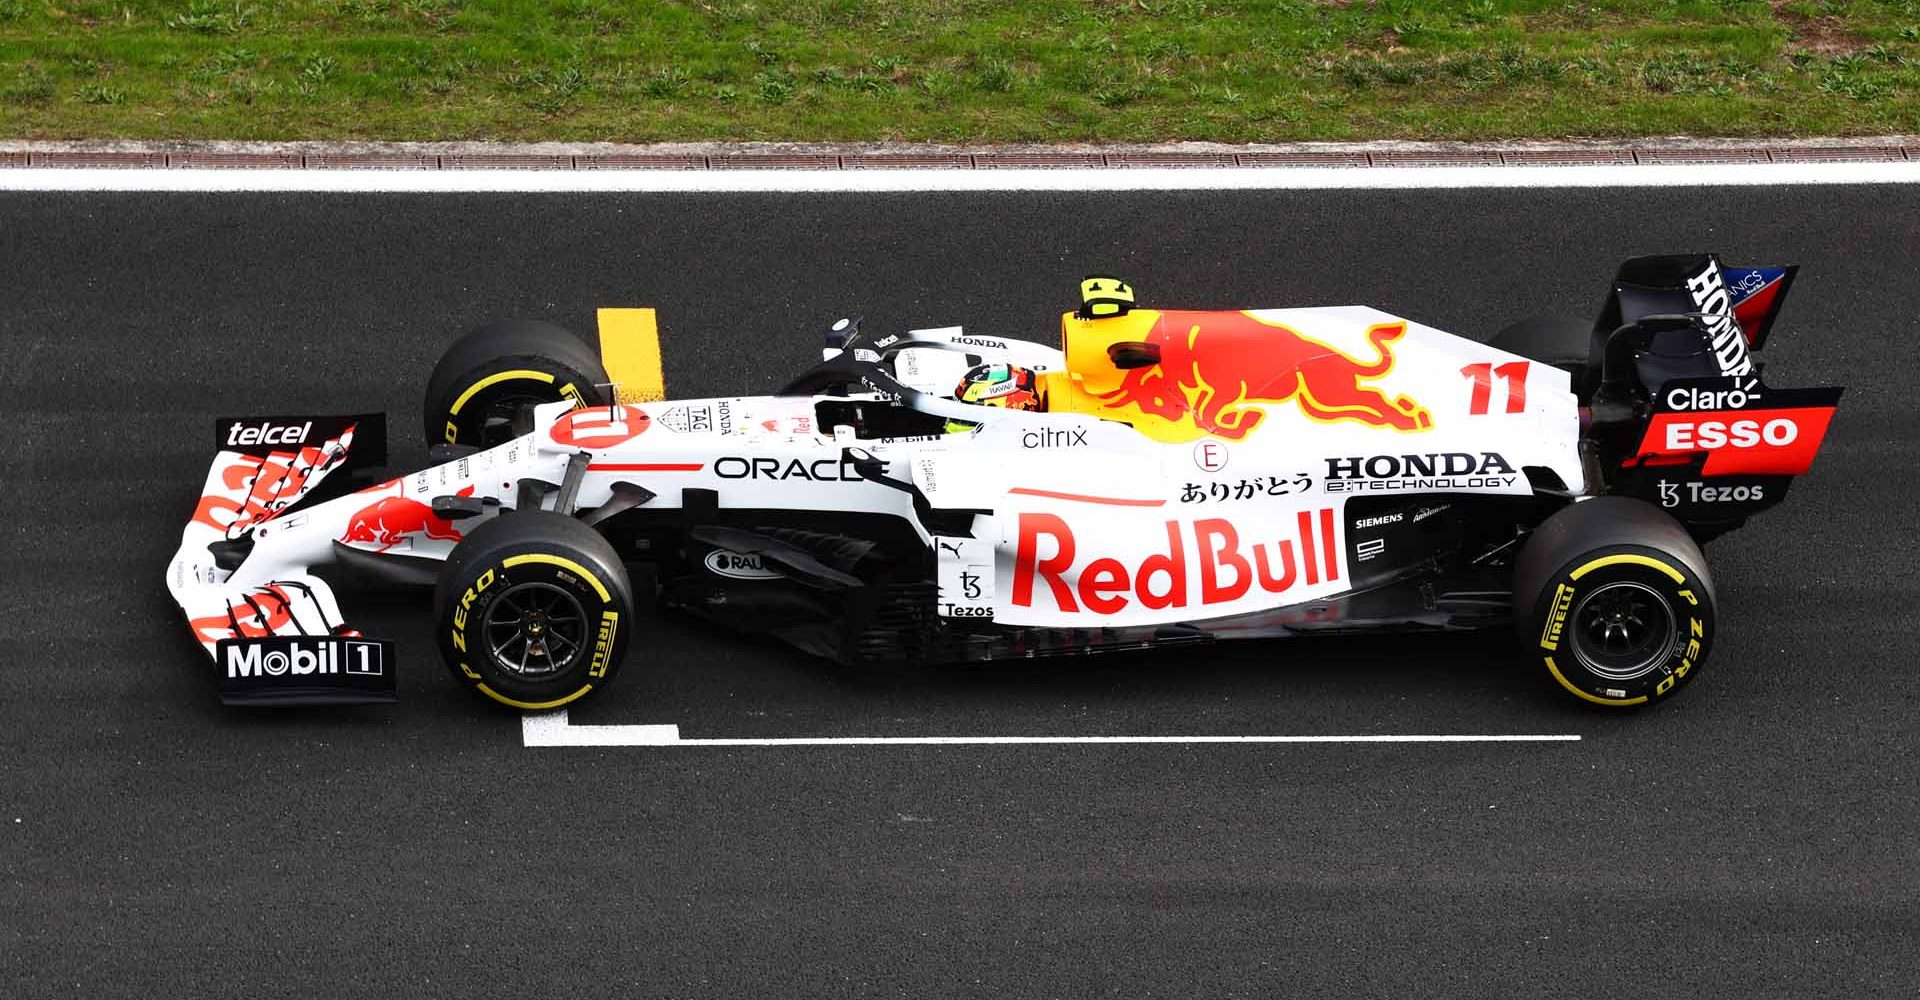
[1596,699]
[630,351]
[532,706]
[1635,560]
[496,378]
[564,563]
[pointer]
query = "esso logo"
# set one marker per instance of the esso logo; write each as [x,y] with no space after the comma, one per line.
[1710,435]
[600,426]
[1708,399]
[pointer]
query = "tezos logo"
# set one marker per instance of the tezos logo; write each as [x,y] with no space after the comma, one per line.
[739,565]
[1708,493]
[242,435]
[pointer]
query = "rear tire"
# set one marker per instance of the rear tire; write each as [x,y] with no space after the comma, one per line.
[533,610]
[485,385]
[1613,596]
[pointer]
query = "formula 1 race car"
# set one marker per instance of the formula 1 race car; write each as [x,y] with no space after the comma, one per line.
[1163,477]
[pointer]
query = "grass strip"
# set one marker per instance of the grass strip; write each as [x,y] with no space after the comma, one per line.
[954,70]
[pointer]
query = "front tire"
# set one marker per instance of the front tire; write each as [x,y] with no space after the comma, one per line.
[1614,599]
[484,387]
[533,610]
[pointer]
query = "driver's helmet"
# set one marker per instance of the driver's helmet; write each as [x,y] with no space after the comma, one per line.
[997,384]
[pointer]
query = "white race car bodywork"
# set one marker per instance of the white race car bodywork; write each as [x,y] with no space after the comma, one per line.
[1078,519]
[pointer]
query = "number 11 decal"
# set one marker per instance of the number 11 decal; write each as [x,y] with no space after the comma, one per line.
[1483,374]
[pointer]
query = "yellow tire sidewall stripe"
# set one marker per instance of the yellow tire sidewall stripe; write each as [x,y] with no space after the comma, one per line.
[1596,699]
[531,706]
[515,375]
[564,563]
[1629,559]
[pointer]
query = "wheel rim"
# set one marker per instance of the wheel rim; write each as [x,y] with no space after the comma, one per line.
[535,630]
[1623,631]
[504,417]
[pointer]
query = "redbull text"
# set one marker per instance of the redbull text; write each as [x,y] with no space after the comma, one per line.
[1204,563]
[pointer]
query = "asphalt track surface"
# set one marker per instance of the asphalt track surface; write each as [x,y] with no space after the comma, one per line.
[1755,837]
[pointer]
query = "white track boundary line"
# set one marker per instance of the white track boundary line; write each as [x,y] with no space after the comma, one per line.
[887,181]
[553,730]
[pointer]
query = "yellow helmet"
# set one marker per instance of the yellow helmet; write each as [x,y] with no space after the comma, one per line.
[996,384]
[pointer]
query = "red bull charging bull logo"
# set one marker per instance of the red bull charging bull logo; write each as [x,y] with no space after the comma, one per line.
[390,519]
[1211,373]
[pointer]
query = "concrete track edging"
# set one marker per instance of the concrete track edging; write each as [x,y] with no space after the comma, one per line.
[199,154]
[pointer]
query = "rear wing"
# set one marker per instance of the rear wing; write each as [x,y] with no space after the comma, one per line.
[276,634]
[1683,416]
[1737,306]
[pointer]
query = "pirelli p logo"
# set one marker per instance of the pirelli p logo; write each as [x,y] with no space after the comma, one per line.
[1557,620]
[603,644]
[466,603]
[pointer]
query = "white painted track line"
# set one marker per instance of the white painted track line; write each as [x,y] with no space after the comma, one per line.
[882,181]
[553,730]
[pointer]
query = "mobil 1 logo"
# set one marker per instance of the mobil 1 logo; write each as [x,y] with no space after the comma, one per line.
[305,670]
